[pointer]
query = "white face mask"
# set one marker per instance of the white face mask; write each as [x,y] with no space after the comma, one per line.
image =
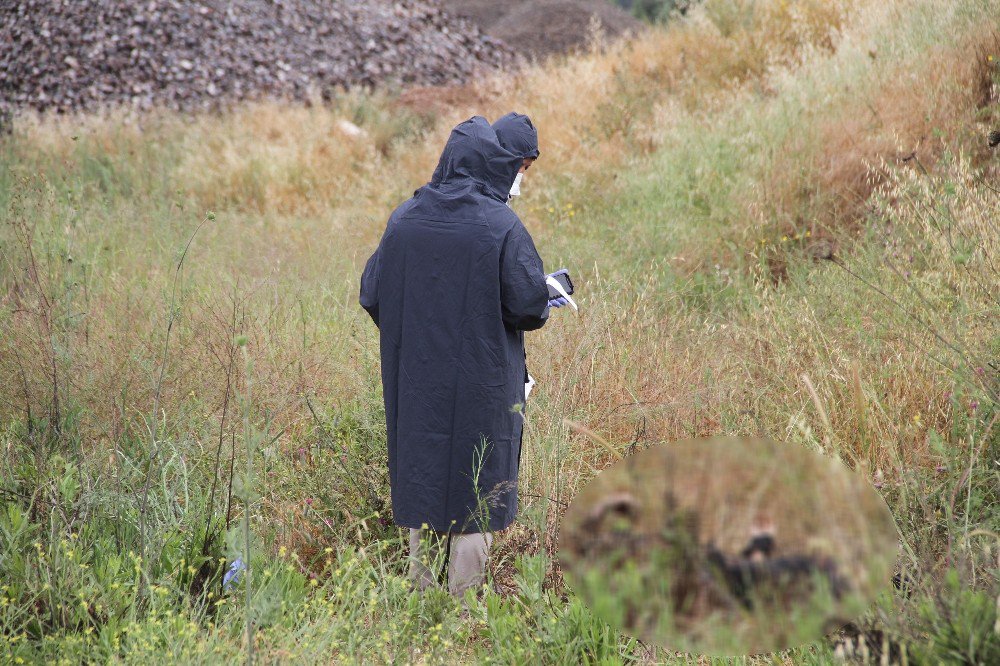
[515,189]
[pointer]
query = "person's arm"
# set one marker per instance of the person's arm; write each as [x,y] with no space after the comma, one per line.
[369,285]
[372,274]
[524,296]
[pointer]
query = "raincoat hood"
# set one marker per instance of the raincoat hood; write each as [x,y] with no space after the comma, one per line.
[516,133]
[473,153]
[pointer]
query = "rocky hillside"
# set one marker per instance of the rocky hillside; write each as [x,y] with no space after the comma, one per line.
[184,54]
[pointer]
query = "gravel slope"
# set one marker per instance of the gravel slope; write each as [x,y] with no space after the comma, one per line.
[67,54]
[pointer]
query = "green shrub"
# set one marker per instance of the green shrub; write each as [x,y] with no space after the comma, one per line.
[958,624]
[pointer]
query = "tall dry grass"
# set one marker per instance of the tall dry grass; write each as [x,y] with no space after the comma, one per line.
[296,189]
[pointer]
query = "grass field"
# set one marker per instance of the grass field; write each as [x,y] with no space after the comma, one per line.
[637,543]
[783,219]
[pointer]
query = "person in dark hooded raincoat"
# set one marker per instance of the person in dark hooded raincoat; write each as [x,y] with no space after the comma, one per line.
[452,286]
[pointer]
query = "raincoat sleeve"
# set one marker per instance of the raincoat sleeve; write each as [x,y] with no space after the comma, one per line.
[524,297]
[369,285]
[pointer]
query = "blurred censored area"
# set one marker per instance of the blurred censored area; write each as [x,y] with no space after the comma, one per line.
[728,546]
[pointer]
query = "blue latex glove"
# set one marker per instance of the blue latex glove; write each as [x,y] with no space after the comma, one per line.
[233,574]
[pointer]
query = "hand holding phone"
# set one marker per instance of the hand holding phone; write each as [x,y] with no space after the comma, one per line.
[560,287]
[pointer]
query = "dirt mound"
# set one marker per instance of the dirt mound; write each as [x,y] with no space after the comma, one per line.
[187,54]
[430,101]
[544,27]
[483,13]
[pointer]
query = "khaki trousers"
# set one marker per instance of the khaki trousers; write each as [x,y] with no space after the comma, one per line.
[463,555]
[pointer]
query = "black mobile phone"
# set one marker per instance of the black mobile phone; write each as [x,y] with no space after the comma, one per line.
[562,277]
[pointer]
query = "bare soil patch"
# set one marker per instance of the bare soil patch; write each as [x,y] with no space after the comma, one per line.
[544,28]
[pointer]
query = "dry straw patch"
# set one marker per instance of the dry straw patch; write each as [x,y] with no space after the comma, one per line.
[271,157]
[899,114]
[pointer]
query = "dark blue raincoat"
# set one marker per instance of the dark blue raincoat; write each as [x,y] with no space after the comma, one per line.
[452,286]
